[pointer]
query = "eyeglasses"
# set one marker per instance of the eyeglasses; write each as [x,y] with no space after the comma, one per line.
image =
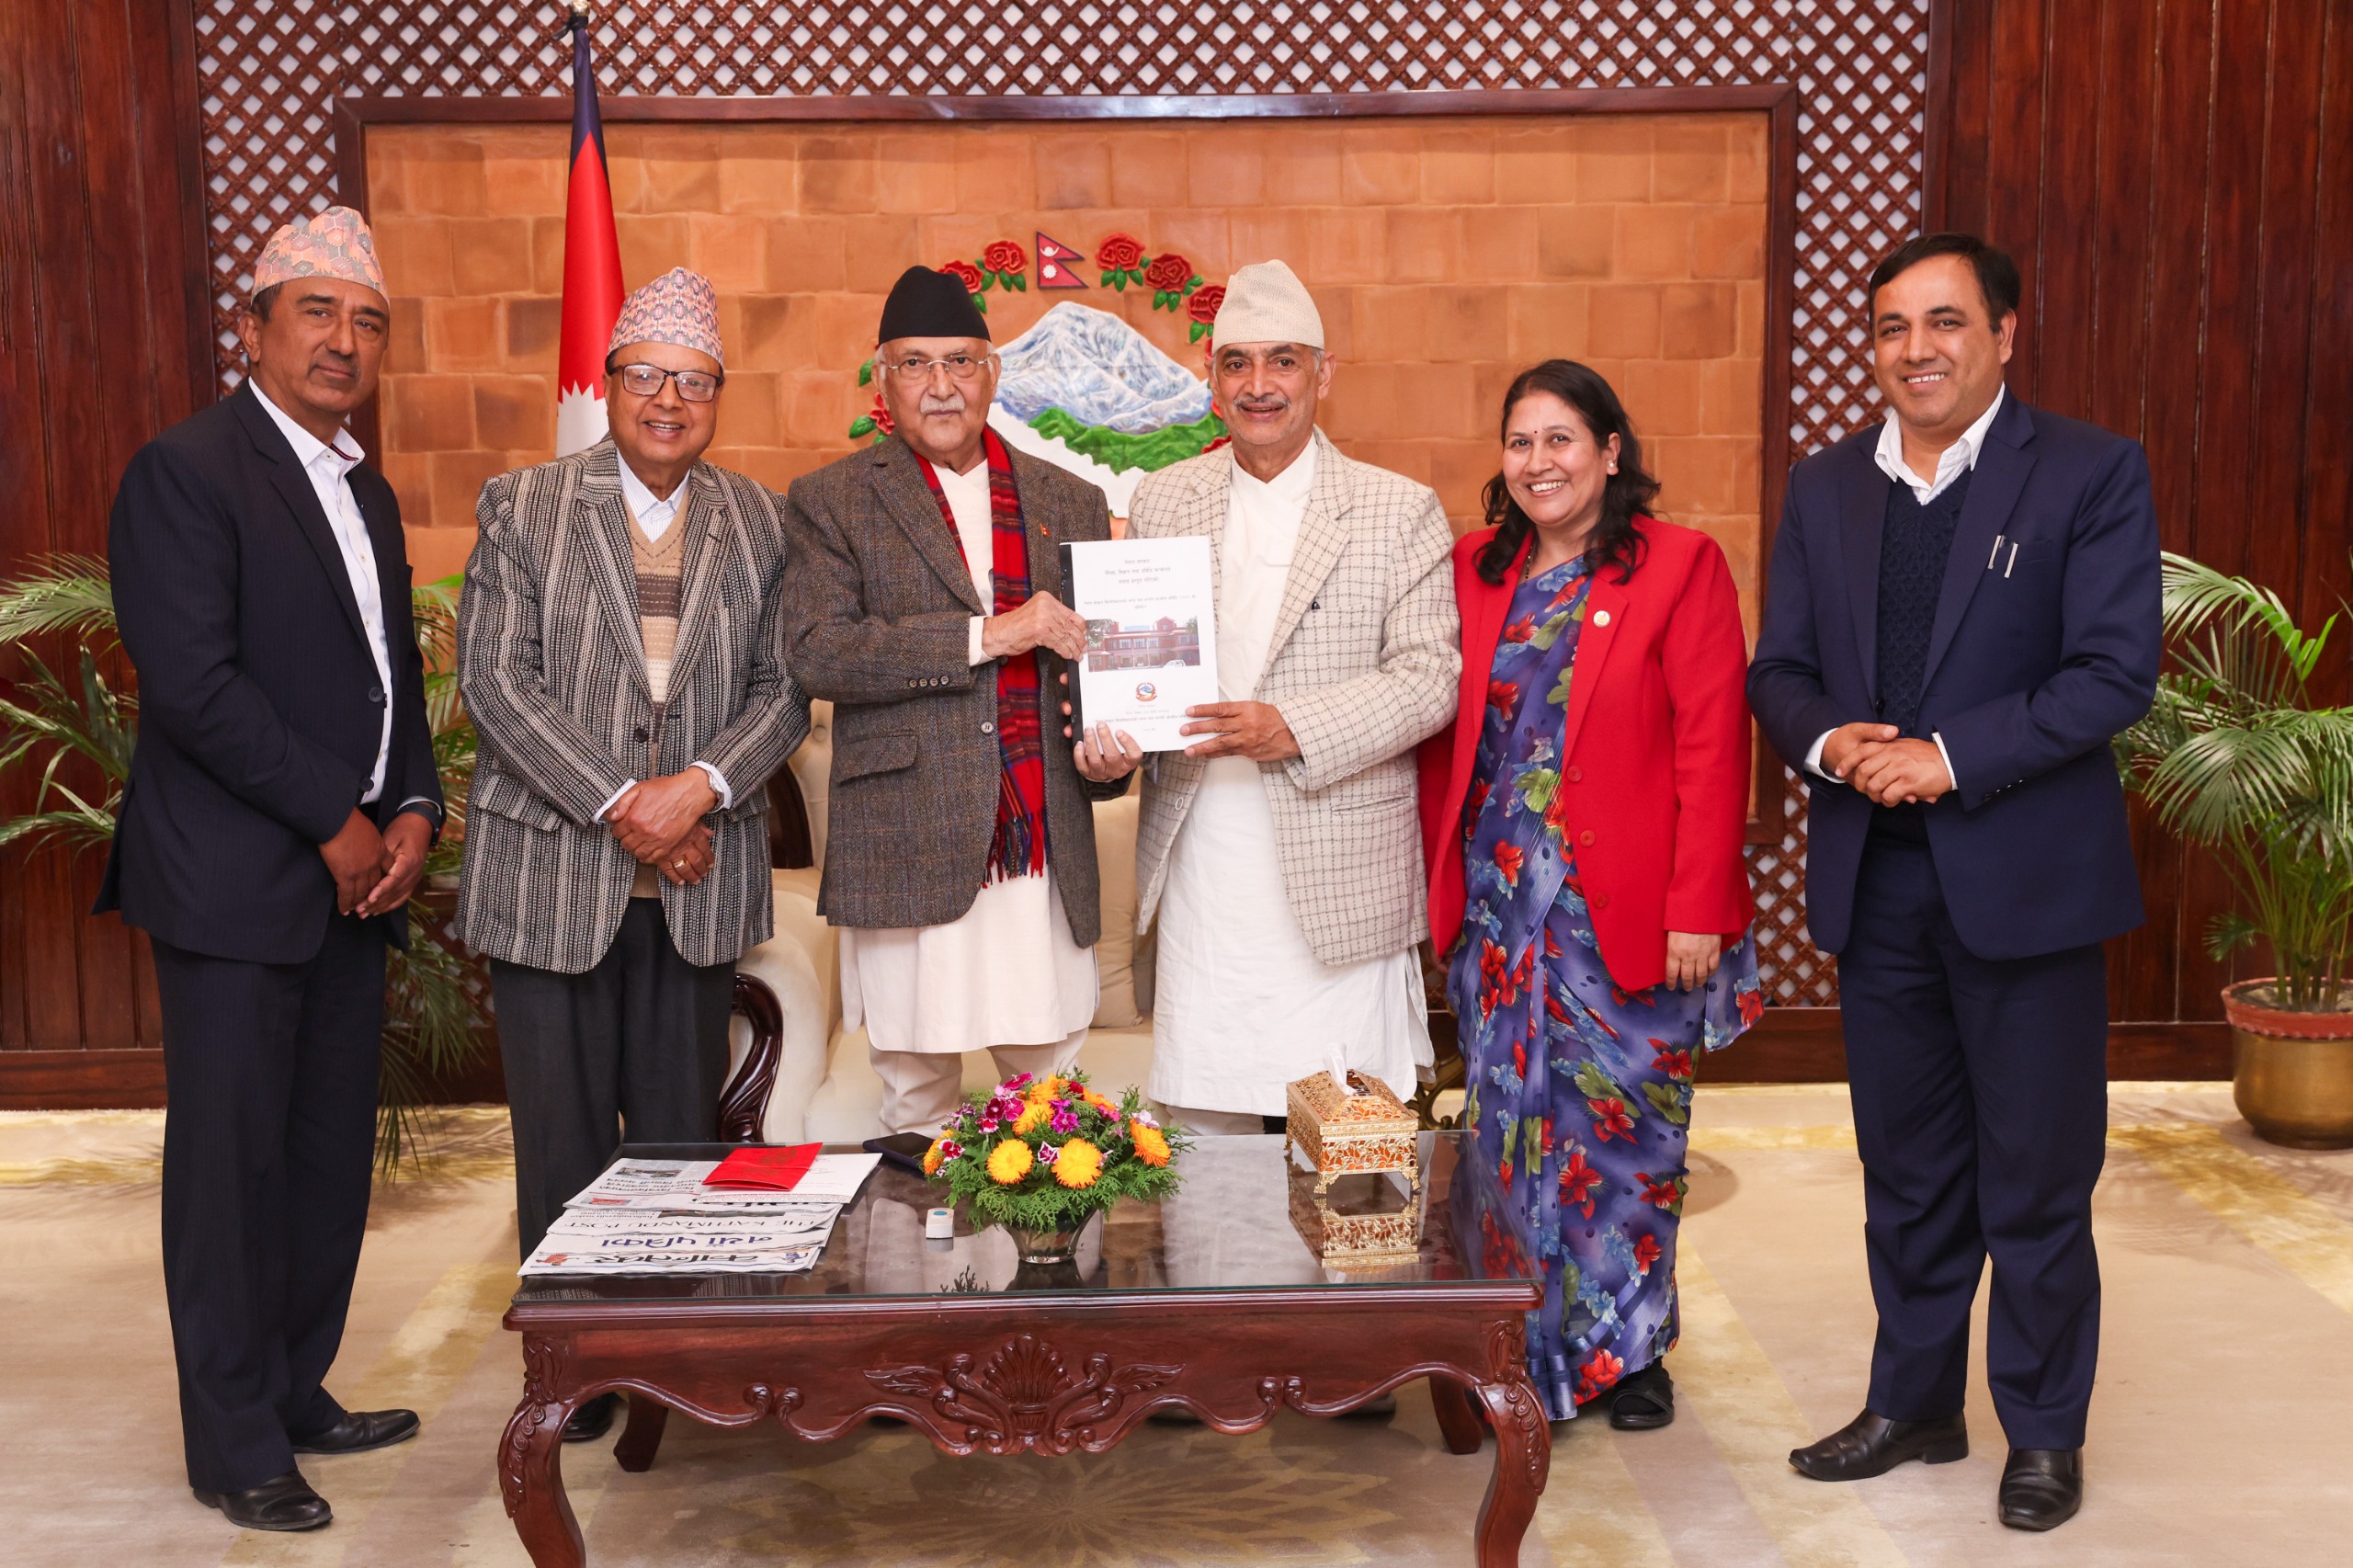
[915,367]
[645,381]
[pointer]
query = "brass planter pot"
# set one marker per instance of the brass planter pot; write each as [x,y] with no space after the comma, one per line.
[2292,1074]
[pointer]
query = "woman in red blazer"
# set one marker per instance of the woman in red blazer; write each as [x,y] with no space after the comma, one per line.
[1583,819]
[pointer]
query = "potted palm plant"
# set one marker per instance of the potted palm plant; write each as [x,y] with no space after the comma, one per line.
[76,732]
[2237,757]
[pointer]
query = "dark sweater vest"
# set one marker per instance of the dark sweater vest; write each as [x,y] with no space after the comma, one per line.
[1914,546]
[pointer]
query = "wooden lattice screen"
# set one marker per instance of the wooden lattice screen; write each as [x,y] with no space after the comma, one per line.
[270,70]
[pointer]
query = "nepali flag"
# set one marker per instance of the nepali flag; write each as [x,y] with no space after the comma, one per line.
[592,265]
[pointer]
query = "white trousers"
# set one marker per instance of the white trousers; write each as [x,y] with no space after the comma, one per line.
[1215,1123]
[919,1087]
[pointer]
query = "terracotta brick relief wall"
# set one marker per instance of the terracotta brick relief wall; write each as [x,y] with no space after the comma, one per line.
[1446,254]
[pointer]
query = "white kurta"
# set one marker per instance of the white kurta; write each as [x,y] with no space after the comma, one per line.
[1008,973]
[1243,1006]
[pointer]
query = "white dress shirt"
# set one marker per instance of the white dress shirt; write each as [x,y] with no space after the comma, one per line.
[968,503]
[1951,463]
[328,467]
[1243,1006]
[654,516]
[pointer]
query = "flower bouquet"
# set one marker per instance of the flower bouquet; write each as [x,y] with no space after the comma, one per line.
[1042,1157]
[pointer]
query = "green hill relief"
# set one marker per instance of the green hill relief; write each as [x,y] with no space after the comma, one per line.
[1118,450]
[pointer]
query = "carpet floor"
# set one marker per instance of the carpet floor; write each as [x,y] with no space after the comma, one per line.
[2219,1435]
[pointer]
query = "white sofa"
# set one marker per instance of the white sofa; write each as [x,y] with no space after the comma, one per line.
[824,1086]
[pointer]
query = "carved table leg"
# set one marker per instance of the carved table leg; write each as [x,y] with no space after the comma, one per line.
[1457,1423]
[1523,1459]
[642,1438]
[530,1465]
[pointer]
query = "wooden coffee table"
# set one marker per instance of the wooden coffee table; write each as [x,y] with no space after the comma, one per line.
[1210,1300]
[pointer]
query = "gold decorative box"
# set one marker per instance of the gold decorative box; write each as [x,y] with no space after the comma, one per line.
[1355,1134]
[1389,1236]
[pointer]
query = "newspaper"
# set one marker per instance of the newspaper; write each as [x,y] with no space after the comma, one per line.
[582,1242]
[676,1187]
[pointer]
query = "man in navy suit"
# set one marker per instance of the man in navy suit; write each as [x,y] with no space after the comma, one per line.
[281,801]
[1963,612]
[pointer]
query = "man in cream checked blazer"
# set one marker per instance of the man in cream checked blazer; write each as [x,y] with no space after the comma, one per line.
[621,650]
[1279,848]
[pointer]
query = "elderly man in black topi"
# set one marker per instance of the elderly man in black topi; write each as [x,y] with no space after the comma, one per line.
[960,863]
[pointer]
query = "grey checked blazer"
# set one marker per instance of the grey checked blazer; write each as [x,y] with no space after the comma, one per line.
[552,664]
[877,615]
[1363,665]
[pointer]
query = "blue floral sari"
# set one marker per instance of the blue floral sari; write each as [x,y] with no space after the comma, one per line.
[1584,1088]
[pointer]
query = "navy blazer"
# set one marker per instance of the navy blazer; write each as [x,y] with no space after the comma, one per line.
[259,705]
[2045,646]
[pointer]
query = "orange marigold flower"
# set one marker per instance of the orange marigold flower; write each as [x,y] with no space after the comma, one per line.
[932,1156]
[1009,1162]
[1152,1145]
[1078,1163]
[1032,1119]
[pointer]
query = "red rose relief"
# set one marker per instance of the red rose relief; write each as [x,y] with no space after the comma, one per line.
[1201,306]
[1172,278]
[1002,264]
[1122,259]
[874,422]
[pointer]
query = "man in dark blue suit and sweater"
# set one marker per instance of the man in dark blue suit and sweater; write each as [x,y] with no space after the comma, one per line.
[1963,612]
[280,805]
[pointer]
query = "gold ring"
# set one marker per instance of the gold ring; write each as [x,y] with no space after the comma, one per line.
[677,865]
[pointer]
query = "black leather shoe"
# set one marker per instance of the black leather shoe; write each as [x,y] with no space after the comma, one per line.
[361,1430]
[1873,1445]
[1645,1402]
[592,1420]
[286,1503]
[2042,1488]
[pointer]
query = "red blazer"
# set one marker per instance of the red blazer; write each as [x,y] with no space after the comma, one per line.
[1654,753]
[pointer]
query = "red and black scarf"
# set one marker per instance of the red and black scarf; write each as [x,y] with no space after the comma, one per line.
[1018,847]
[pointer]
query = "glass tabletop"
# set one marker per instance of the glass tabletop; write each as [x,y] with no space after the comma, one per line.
[1245,1217]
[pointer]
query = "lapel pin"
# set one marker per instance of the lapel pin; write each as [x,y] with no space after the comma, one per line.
[1601,618]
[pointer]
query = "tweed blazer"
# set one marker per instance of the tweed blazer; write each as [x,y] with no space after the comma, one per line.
[877,615]
[552,664]
[1363,665]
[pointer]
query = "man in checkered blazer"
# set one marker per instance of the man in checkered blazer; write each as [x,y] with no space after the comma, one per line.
[1280,849]
[621,652]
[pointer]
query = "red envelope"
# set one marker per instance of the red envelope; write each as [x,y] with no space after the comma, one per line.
[765,1170]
